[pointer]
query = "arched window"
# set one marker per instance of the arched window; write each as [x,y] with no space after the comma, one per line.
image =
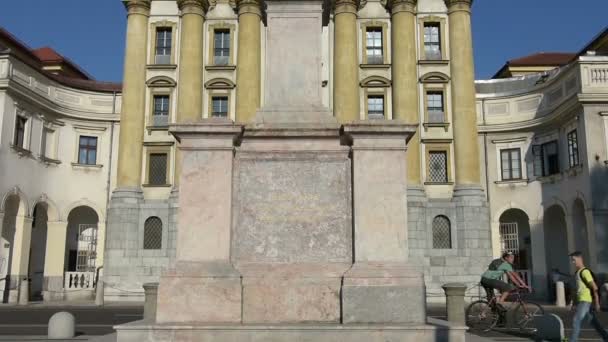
[153,233]
[442,233]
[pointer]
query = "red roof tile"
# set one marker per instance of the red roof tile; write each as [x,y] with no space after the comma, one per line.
[544,59]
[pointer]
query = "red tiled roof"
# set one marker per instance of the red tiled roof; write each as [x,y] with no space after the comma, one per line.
[544,59]
[36,58]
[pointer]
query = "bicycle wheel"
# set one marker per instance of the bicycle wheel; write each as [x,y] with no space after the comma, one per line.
[525,314]
[480,316]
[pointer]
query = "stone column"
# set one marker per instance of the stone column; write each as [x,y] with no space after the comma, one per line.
[190,82]
[381,280]
[132,115]
[405,79]
[466,147]
[21,255]
[150,301]
[202,273]
[346,68]
[54,260]
[249,61]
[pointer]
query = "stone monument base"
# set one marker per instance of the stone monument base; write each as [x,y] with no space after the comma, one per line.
[142,331]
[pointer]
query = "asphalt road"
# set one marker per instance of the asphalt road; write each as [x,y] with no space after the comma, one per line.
[587,334]
[91,320]
[33,320]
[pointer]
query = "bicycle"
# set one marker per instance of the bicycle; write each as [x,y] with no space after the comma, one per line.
[485,314]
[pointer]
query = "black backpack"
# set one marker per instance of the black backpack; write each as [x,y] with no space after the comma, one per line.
[495,264]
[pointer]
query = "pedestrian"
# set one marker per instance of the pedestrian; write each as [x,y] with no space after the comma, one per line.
[587,301]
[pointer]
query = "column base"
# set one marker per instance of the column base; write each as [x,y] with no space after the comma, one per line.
[200,292]
[53,289]
[469,192]
[384,292]
[416,193]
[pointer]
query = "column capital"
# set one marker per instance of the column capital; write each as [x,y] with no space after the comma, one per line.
[397,6]
[193,6]
[249,6]
[458,5]
[346,6]
[137,6]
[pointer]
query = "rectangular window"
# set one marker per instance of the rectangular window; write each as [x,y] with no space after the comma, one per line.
[546,159]
[163,45]
[221,44]
[87,150]
[374,45]
[160,117]
[20,123]
[510,161]
[157,169]
[375,107]
[438,166]
[434,106]
[219,106]
[432,41]
[573,148]
[538,160]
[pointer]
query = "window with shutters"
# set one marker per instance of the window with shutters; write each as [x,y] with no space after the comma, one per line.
[153,233]
[19,136]
[573,149]
[442,233]
[163,45]
[510,162]
[221,47]
[157,169]
[546,159]
[438,167]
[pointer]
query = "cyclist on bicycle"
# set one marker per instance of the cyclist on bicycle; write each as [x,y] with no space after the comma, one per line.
[492,278]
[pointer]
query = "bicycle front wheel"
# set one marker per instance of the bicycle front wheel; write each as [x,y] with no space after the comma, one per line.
[480,316]
[525,315]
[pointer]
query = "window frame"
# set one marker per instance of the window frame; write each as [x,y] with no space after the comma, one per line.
[441,93]
[223,49]
[166,48]
[23,144]
[450,232]
[88,148]
[375,58]
[231,28]
[151,153]
[511,163]
[384,41]
[220,98]
[573,152]
[440,21]
[154,27]
[367,107]
[162,228]
[539,159]
[153,115]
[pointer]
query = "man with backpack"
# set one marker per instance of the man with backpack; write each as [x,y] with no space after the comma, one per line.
[492,278]
[587,301]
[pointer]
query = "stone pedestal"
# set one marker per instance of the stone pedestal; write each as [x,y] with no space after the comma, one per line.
[454,294]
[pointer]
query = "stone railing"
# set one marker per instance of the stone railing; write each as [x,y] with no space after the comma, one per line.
[599,75]
[79,280]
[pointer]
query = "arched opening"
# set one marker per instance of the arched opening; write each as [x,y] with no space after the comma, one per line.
[579,229]
[556,240]
[38,251]
[514,229]
[11,209]
[81,249]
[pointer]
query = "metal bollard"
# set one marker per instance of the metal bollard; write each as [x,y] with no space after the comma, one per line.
[454,294]
[24,292]
[560,294]
[150,290]
[99,293]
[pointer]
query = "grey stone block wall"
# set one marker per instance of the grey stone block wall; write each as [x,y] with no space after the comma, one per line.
[127,264]
[471,250]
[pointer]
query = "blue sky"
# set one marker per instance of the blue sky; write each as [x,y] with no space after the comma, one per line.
[91,33]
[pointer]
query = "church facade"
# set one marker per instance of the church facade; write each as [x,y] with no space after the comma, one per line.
[513,164]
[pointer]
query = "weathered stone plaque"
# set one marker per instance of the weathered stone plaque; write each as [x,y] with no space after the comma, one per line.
[292,210]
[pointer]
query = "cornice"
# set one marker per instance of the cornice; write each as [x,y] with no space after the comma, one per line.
[397,6]
[193,6]
[137,6]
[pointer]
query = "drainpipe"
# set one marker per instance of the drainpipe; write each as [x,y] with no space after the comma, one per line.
[485,151]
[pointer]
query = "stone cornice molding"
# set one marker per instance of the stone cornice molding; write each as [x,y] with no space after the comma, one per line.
[397,6]
[137,6]
[346,6]
[193,6]
[249,6]
[458,5]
